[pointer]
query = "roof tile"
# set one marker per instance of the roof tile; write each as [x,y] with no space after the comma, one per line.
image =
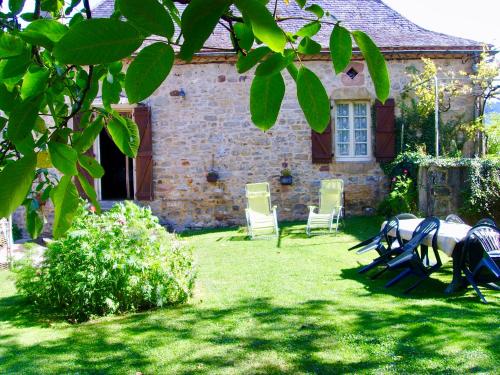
[388,28]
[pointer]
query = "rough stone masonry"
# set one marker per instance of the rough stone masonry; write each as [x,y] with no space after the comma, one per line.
[213,119]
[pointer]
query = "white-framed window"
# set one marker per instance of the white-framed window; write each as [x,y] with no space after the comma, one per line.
[352,131]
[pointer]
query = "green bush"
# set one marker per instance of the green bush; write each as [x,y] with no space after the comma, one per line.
[402,198]
[481,188]
[120,261]
[482,193]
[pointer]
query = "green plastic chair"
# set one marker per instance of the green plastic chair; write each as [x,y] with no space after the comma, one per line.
[330,210]
[262,219]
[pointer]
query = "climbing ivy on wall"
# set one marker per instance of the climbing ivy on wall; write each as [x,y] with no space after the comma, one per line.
[481,189]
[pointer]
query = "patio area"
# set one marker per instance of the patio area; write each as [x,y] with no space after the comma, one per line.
[287,305]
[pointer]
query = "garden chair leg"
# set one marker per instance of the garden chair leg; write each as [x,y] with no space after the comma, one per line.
[471,281]
[337,226]
[382,271]
[407,291]
[370,266]
[398,278]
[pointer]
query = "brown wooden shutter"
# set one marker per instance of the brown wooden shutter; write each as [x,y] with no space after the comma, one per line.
[144,160]
[322,146]
[89,152]
[385,137]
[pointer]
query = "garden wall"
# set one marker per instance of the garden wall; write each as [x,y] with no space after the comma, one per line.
[440,189]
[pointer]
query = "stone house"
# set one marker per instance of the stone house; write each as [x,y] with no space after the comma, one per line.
[199,120]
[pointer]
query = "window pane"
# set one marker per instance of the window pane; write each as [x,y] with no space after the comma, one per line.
[360,149]
[343,136]
[359,109]
[342,109]
[360,123]
[360,135]
[343,123]
[343,149]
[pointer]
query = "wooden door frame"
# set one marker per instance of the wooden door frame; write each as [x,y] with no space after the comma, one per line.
[121,108]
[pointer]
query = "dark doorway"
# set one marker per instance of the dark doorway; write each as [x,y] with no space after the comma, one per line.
[118,180]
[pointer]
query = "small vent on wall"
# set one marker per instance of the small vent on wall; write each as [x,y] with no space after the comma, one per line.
[352,73]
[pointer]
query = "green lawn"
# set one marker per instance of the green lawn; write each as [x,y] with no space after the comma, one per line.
[296,305]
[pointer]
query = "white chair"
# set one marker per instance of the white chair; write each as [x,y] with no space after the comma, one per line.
[262,219]
[331,202]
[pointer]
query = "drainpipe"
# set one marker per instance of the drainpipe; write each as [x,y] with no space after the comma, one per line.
[436,114]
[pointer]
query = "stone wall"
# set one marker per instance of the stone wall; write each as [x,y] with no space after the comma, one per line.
[213,119]
[440,190]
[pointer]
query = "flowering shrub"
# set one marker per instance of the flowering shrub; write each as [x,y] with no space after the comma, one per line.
[402,198]
[481,189]
[120,261]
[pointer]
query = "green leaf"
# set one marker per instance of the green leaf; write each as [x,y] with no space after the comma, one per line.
[16,6]
[263,24]
[97,41]
[77,18]
[376,64]
[244,35]
[148,15]
[89,191]
[10,45]
[22,118]
[316,9]
[3,122]
[8,98]
[198,21]
[89,135]
[111,91]
[313,100]
[69,9]
[148,71]
[65,199]
[15,183]
[309,29]
[125,135]
[15,66]
[34,221]
[245,63]
[308,46]
[26,145]
[34,82]
[301,3]
[174,12]
[115,68]
[266,96]
[91,165]
[274,64]
[63,157]
[340,48]
[52,5]
[293,71]
[44,32]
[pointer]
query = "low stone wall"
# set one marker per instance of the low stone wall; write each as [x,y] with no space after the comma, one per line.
[197,203]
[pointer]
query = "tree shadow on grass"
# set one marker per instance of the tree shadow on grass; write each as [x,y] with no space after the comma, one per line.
[432,288]
[259,336]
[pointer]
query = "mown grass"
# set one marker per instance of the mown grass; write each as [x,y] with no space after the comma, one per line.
[296,305]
